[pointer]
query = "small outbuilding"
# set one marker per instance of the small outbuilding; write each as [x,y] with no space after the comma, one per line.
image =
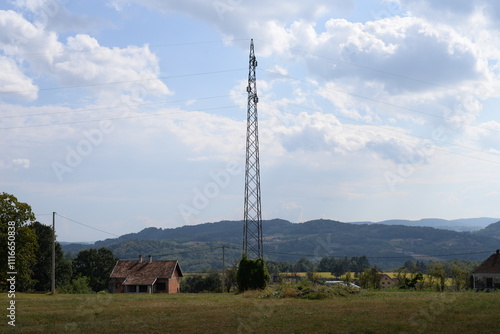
[387,281]
[146,276]
[487,275]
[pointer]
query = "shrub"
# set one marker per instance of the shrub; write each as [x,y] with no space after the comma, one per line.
[317,295]
[199,283]
[78,285]
[252,274]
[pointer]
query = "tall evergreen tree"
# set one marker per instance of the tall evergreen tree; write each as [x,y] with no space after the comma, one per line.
[42,270]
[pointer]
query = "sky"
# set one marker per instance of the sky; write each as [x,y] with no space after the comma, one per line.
[124,114]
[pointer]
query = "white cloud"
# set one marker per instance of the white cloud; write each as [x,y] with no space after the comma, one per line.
[132,69]
[107,72]
[14,83]
[53,15]
[21,163]
[15,164]
[478,20]
[403,54]
[451,11]
[206,134]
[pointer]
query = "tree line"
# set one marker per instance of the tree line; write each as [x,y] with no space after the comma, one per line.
[30,246]
[357,269]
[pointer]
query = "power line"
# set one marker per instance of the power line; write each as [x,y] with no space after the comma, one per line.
[118,118]
[88,226]
[152,46]
[198,251]
[117,107]
[122,82]
[384,257]
[284,111]
[375,257]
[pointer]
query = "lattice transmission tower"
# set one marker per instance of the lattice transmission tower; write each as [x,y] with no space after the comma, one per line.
[252,230]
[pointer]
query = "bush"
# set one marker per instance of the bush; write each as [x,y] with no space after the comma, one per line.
[316,295]
[309,290]
[252,274]
[199,283]
[78,285]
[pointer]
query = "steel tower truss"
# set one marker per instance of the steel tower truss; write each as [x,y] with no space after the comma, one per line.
[252,230]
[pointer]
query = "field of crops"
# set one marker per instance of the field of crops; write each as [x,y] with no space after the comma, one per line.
[366,312]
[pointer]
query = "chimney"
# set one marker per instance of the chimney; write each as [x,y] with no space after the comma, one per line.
[140,258]
[150,258]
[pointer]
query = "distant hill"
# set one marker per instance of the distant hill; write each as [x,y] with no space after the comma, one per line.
[492,230]
[459,225]
[199,247]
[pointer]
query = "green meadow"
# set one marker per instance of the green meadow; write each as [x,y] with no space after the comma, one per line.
[366,312]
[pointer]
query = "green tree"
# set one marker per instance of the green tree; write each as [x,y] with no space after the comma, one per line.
[42,270]
[304,265]
[79,285]
[200,283]
[252,274]
[407,283]
[17,240]
[370,278]
[276,267]
[359,264]
[437,271]
[460,277]
[410,266]
[230,277]
[339,266]
[421,266]
[96,265]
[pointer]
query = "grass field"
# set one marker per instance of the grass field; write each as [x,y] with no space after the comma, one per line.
[367,312]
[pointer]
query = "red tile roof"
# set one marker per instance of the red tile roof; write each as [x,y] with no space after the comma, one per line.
[490,266]
[144,273]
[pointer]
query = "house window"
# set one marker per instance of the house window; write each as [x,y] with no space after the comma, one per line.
[161,286]
[117,285]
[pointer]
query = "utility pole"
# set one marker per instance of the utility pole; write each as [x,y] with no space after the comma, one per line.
[223,267]
[53,253]
[252,230]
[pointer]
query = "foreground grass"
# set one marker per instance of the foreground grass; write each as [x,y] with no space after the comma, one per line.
[367,312]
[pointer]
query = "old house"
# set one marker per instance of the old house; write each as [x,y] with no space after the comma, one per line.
[387,282]
[146,276]
[487,275]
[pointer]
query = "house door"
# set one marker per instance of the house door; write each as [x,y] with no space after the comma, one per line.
[489,282]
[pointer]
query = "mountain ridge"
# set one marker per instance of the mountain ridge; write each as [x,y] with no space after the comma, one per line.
[199,246]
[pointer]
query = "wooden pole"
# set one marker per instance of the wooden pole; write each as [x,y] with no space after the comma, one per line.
[53,289]
[223,267]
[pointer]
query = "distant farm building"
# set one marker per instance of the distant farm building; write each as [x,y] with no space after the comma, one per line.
[146,276]
[487,275]
[387,282]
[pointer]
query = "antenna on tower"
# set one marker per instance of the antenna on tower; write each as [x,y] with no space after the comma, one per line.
[252,230]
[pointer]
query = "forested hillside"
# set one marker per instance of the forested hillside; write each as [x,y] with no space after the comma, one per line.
[492,230]
[199,247]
